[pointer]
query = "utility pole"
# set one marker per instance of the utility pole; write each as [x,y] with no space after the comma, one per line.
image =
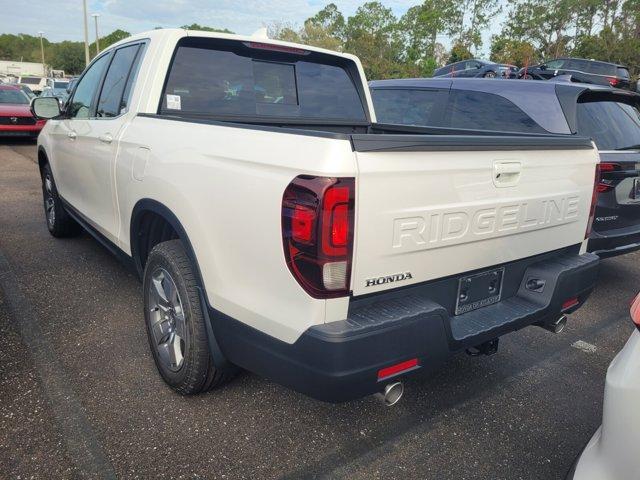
[86,33]
[44,68]
[95,17]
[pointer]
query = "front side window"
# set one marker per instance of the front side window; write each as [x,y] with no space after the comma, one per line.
[487,111]
[230,79]
[406,106]
[555,64]
[110,100]
[611,125]
[80,106]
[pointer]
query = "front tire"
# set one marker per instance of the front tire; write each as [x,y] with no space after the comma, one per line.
[175,322]
[490,75]
[59,222]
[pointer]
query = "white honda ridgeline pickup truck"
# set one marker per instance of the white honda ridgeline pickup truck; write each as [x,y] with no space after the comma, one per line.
[278,228]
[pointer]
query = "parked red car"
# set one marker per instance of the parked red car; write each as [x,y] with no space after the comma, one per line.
[15,114]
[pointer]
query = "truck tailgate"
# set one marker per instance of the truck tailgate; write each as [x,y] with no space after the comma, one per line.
[426,209]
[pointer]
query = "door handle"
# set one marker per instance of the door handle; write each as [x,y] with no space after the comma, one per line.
[106,138]
[72,135]
[506,174]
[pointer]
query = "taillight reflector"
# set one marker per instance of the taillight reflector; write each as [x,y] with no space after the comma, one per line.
[635,311]
[397,368]
[302,223]
[570,303]
[613,81]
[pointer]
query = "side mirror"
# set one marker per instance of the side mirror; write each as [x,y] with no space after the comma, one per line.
[542,66]
[45,107]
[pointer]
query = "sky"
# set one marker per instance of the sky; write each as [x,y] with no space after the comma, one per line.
[62,19]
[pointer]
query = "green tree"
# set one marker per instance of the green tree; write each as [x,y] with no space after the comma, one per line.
[516,52]
[373,34]
[459,51]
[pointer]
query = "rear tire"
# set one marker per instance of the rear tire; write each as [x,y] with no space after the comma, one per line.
[175,322]
[490,75]
[59,222]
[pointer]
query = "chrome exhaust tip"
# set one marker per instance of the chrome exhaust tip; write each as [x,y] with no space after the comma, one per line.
[556,326]
[391,394]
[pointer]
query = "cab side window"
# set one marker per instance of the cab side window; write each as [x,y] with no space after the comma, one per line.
[80,105]
[112,102]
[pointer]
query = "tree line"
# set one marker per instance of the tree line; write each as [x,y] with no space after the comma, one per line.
[66,55]
[413,45]
[533,31]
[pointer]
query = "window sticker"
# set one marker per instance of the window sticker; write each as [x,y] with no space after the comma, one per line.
[173,102]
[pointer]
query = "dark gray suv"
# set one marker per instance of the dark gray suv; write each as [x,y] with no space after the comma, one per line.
[610,116]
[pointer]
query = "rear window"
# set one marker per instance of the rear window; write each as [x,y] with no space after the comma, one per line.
[406,107]
[487,111]
[611,125]
[219,78]
[601,68]
[622,73]
[30,80]
[60,84]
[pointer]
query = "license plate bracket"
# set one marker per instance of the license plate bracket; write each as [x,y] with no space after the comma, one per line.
[479,290]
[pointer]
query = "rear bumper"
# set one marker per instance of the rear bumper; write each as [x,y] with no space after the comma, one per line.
[339,361]
[607,244]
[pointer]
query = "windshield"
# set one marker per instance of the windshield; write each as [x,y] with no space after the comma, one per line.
[13,97]
[611,125]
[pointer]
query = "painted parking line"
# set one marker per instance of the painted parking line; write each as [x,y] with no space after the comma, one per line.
[81,443]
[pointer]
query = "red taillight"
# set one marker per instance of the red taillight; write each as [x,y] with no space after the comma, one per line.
[594,201]
[609,167]
[570,303]
[317,232]
[635,311]
[613,81]
[397,368]
[604,187]
[335,220]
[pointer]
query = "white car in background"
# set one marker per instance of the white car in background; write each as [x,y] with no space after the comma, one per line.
[612,453]
[36,84]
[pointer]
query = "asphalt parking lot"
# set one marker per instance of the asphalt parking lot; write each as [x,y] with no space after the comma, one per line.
[80,396]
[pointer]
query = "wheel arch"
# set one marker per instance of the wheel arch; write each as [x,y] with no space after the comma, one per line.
[153,222]
[43,158]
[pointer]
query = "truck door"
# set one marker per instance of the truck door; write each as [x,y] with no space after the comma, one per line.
[95,142]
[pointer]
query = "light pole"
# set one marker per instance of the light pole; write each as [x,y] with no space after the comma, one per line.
[95,17]
[44,68]
[86,33]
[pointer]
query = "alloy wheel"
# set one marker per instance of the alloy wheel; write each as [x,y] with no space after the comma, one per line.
[168,325]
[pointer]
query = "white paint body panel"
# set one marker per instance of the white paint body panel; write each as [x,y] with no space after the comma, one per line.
[225,186]
[612,453]
[436,214]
